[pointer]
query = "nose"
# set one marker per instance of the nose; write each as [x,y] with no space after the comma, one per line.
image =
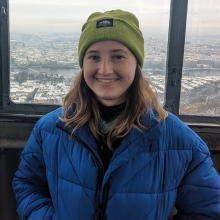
[105,67]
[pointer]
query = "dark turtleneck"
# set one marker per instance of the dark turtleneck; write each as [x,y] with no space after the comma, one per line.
[108,114]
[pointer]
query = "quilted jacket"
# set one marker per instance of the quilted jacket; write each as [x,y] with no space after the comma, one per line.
[61,176]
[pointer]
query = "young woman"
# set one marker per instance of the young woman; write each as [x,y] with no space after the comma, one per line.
[112,152]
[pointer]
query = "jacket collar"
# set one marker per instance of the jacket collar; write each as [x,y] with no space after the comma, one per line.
[147,136]
[150,121]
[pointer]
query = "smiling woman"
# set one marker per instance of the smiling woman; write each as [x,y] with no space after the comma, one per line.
[112,152]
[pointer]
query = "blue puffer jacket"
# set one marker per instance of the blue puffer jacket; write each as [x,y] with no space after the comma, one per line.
[61,177]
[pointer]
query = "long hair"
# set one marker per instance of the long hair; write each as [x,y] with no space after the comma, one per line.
[87,111]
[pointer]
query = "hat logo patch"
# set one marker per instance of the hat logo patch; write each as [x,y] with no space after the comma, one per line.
[104,23]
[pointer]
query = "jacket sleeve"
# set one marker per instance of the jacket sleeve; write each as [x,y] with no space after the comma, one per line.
[30,183]
[198,196]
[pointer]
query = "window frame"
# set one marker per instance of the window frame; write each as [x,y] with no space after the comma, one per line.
[6,105]
[175,55]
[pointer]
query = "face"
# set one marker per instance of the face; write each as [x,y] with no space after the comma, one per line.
[109,70]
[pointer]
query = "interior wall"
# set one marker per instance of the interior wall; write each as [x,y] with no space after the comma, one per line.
[9,161]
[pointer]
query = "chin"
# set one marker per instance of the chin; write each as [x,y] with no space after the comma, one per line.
[105,99]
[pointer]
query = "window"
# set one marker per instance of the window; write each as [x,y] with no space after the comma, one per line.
[200,92]
[44,40]
[51,34]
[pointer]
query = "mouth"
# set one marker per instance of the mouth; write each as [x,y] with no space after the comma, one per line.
[107,80]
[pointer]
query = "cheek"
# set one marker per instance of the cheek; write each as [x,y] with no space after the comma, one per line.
[130,74]
[131,78]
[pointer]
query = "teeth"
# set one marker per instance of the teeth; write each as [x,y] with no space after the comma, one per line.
[107,80]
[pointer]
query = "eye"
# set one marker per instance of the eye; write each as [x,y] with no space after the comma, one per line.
[117,57]
[94,57]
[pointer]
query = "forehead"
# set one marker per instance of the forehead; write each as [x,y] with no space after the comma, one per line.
[108,45]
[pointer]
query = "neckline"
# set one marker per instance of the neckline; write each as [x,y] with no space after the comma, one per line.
[109,113]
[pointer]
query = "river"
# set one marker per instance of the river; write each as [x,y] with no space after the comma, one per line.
[69,73]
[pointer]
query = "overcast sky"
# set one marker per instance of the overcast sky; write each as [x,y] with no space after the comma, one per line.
[69,15]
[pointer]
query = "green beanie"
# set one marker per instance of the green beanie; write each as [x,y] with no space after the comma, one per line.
[118,25]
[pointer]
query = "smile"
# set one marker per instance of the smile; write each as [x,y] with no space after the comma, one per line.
[107,80]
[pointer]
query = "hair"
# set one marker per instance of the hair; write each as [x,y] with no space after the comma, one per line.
[87,110]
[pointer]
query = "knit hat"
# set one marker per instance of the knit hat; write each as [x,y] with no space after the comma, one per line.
[118,25]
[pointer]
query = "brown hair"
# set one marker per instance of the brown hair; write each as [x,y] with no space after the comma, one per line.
[87,110]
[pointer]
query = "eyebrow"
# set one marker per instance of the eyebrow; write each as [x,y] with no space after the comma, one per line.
[92,51]
[119,50]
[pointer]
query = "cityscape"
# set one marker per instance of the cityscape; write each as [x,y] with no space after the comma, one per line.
[43,66]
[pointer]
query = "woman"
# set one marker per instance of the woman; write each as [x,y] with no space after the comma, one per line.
[112,152]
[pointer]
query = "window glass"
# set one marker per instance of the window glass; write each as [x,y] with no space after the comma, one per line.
[200,93]
[44,38]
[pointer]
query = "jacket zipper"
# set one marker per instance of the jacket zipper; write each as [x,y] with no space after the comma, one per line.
[100,208]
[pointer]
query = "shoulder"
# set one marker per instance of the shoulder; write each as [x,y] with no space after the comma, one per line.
[44,126]
[180,137]
[48,121]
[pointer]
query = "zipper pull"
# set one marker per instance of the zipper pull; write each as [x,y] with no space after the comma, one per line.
[99,213]
[99,218]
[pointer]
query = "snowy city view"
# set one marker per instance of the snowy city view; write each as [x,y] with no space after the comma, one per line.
[43,66]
